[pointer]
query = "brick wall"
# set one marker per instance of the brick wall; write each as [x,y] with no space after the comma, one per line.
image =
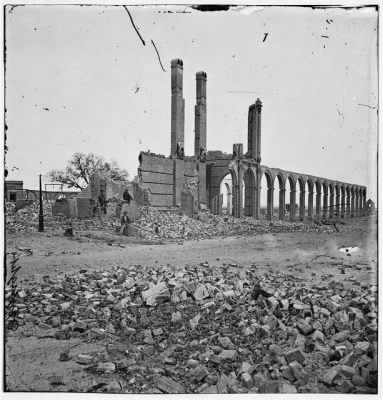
[157,174]
[166,177]
[187,204]
[66,207]
[74,208]
[84,207]
[141,195]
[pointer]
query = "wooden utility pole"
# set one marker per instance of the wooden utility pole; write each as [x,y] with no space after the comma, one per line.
[41,214]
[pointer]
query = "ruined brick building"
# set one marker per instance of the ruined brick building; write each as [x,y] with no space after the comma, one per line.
[180,180]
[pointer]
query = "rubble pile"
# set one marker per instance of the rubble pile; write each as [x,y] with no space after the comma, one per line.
[204,329]
[156,224]
[171,225]
[26,219]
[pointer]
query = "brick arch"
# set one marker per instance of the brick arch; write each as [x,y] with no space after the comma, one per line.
[337,199]
[270,191]
[269,176]
[325,191]
[318,198]
[318,185]
[310,208]
[250,185]
[302,197]
[348,200]
[215,193]
[301,182]
[359,201]
[292,179]
[364,201]
[342,200]
[310,184]
[331,190]
[325,186]
[281,195]
[356,200]
[352,202]
[281,179]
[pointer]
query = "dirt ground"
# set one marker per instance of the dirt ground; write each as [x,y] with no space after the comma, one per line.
[30,361]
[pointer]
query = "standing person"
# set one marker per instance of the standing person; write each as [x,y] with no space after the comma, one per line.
[126,196]
[125,221]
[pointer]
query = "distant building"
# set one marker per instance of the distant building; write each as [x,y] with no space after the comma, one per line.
[370,205]
[14,190]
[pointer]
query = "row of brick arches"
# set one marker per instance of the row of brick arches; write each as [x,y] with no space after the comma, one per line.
[288,195]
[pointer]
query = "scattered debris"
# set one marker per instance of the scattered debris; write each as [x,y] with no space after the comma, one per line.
[154,224]
[201,329]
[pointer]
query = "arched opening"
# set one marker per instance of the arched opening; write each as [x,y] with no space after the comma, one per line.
[310,199]
[331,201]
[352,203]
[348,202]
[342,201]
[357,208]
[280,207]
[263,196]
[226,195]
[325,200]
[302,198]
[337,202]
[226,189]
[364,201]
[249,193]
[267,195]
[356,199]
[291,197]
[317,200]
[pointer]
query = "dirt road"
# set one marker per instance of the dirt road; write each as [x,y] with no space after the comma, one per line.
[55,254]
[305,255]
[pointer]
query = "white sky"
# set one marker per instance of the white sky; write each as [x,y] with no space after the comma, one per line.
[106,92]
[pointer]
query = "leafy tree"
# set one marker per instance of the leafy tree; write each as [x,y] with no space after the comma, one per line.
[82,166]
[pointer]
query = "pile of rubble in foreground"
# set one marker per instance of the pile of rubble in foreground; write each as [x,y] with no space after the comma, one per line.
[157,224]
[204,329]
[171,225]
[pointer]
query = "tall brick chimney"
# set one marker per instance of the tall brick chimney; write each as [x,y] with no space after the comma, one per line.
[254,131]
[200,116]
[177,108]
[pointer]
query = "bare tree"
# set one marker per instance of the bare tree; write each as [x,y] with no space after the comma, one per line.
[82,166]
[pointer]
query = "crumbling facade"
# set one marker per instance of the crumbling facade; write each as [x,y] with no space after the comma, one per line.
[165,178]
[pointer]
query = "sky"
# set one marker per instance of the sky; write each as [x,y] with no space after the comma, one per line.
[79,79]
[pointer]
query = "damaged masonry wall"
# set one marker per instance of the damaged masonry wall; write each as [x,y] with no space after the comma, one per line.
[86,201]
[165,179]
[178,180]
